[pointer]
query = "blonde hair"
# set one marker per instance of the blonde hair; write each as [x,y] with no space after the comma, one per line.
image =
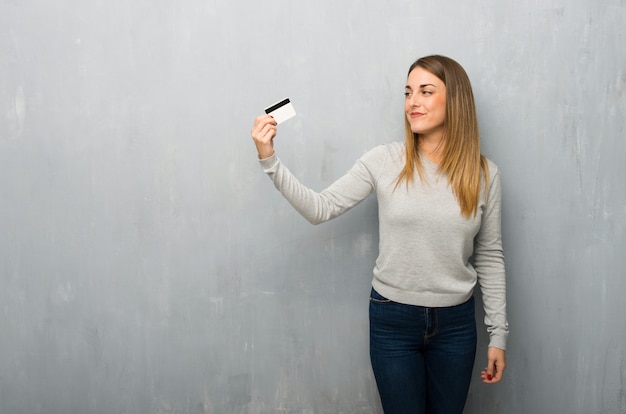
[461,161]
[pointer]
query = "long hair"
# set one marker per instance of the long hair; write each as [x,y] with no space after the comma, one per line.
[461,161]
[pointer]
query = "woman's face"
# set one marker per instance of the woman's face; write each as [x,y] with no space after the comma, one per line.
[425,103]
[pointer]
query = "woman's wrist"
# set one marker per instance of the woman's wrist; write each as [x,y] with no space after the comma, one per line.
[265,154]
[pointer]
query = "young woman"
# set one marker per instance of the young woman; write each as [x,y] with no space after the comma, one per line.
[439,222]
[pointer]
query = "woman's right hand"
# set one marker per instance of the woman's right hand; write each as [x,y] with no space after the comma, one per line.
[263,133]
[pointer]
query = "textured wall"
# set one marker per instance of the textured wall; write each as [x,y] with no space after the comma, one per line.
[148,266]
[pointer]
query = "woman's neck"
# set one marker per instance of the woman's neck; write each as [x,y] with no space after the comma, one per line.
[431,147]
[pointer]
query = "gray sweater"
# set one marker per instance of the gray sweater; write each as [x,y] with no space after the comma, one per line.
[429,253]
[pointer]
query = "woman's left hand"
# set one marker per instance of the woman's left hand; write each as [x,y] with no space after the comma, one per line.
[495,366]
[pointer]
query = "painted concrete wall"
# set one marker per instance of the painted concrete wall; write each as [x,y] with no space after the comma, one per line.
[148,266]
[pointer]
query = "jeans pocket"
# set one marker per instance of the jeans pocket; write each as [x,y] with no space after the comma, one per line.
[376,297]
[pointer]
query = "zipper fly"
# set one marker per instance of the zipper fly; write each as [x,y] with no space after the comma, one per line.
[430,320]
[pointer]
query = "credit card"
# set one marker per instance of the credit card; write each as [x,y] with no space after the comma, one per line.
[281,111]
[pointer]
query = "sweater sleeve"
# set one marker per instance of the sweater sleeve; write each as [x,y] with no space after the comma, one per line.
[317,207]
[489,265]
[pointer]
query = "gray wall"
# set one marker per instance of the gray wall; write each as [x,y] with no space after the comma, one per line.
[148,266]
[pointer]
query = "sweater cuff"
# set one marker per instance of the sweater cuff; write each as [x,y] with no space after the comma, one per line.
[497,342]
[269,163]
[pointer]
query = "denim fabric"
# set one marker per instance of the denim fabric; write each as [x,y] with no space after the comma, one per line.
[422,357]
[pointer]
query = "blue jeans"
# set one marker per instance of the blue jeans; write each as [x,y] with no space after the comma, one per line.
[422,357]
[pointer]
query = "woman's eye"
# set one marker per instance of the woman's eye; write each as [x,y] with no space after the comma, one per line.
[407,94]
[427,92]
